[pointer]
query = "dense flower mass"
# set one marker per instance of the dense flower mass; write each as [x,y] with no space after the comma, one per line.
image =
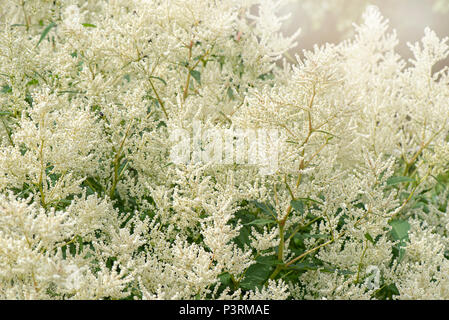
[93,207]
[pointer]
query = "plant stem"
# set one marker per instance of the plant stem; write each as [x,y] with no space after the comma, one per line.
[302,165]
[41,175]
[8,132]
[360,263]
[158,98]
[116,163]
[188,74]
[186,89]
[25,16]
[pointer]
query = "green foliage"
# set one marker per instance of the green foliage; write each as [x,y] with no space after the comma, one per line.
[45,32]
[399,233]
[399,179]
[94,206]
[196,75]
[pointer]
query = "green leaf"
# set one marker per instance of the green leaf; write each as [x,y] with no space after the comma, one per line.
[6,89]
[110,262]
[266,76]
[369,238]
[196,75]
[225,278]
[5,113]
[45,32]
[387,292]
[80,243]
[256,276]
[398,179]
[242,239]
[399,229]
[32,82]
[167,165]
[399,232]
[230,93]
[260,222]
[269,260]
[399,251]
[298,205]
[88,25]
[266,208]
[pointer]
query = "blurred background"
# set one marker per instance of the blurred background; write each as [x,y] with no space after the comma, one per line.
[331,21]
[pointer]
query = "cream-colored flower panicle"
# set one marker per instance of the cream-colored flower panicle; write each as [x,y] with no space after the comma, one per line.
[178,150]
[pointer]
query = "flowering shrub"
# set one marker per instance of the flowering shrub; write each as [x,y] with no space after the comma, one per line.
[94,204]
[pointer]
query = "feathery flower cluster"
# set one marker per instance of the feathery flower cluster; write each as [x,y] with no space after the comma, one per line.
[93,207]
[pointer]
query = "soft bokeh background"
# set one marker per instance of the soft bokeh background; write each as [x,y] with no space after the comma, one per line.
[324,21]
